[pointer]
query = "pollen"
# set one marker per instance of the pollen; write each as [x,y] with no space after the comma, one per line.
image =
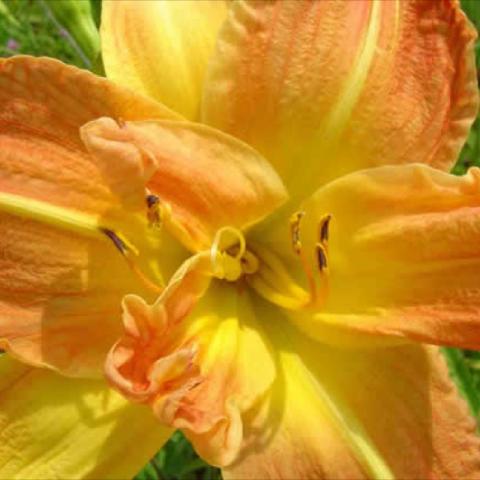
[157,212]
[295,221]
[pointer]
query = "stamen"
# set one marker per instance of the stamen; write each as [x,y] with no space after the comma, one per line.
[295,221]
[67,219]
[117,241]
[127,249]
[152,200]
[321,257]
[321,253]
[323,231]
[123,244]
[154,212]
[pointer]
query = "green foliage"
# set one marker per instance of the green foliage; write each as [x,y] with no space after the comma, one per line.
[76,17]
[25,27]
[464,367]
[470,155]
[178,461]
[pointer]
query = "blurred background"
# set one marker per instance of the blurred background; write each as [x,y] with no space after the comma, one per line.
[56,29]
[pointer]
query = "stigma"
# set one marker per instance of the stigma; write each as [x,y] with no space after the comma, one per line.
[230,259]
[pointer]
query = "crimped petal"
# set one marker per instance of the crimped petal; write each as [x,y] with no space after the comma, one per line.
[52,427]
[324,88]
[205,179]
[403,256]
[161,48]
[190,356]
[378,414]
[61,279]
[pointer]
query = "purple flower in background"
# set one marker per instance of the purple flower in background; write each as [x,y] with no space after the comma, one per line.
[12,44]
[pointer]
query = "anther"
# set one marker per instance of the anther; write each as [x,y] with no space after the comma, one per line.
[321,257]
[323,230]
[152,200]
[121,243]
[154,215]
[127,249]
[295,221]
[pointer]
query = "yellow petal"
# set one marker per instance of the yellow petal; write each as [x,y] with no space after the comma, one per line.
[204,178]
[58,428]
[403,256]
[161,48]
[324,88]
[61,279]
[348,413]
[190,357]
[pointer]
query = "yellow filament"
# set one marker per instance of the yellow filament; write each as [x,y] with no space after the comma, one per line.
[142,277]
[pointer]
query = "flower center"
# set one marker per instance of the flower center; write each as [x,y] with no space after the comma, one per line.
[264,271]
[230,257]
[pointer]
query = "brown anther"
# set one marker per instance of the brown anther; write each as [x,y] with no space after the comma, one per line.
[116,240]
[128,252]
[321,254]
[121,122]
[323,229]
[153,211]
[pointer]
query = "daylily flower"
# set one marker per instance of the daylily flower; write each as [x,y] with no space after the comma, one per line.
[281,260]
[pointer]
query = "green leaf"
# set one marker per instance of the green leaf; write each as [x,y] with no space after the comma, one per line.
[77,18]
[7,15]
[464,378]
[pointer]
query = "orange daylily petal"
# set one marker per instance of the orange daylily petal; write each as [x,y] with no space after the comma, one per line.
[60,291]
[204,178]
[384,413]
[324,88]
[52,428]
[403,256]
[161,48]
[190,356]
